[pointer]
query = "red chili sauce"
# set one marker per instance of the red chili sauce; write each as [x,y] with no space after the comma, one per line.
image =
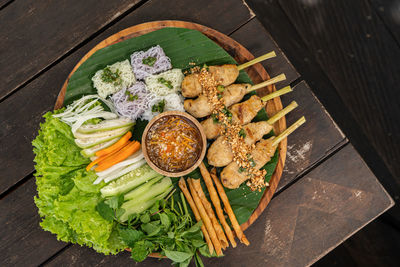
[173,143]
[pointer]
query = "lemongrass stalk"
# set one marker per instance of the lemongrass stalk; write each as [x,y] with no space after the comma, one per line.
[288,131]
[282,113]
[256,60]
[277,93]
[276,79]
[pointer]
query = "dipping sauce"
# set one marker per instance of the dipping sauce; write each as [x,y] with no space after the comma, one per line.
[173,143]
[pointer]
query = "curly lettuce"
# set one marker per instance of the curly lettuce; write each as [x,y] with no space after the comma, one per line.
[66,196]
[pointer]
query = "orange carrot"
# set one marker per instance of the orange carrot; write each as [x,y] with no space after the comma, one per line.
[104,157]
[118,156]
[121,142]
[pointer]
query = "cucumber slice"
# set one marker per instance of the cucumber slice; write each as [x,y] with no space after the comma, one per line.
[140,207]
[141,190]
[105,125]
[129,181]
[90,152]
[91,142]
[154,191]
[99,134]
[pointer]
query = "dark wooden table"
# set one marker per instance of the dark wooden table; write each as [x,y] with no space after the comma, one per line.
[326,194]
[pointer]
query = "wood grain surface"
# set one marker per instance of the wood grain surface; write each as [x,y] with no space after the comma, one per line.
[50,29]
[20,115]
[256,72]
[300,225]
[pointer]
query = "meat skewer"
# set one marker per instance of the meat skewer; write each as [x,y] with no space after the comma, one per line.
[242,113]
[220,153]
[201,107]
[224,75]
[232,176]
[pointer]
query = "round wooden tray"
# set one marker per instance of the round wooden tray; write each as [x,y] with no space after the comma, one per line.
[256,72]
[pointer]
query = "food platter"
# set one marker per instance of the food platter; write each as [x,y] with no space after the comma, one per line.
[256,72]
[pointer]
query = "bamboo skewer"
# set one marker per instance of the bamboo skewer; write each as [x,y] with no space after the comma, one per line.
[276,79]
[256,60]
[285,133]
[282,112]
[277,93]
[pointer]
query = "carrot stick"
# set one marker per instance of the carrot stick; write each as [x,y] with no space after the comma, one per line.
[102,158]
[118,156]
[121,142]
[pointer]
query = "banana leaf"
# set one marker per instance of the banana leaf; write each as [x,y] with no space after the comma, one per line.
[182,46]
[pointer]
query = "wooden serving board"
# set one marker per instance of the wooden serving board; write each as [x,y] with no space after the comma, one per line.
[256,72]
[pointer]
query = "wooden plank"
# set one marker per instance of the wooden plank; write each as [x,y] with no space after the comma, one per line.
[315,140]
[32,45]
[302,224]
[258,41]
[279,24]
[4,3]
[20,119]
[389,12]
[71,25]
[361,61]
[22,241]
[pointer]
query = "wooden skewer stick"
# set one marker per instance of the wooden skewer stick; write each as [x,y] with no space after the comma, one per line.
[256,60]
[277,93]
[276,79]
[282,112]
[285,133]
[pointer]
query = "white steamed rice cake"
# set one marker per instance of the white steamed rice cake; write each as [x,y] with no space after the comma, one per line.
[113,78]
[152,61]
[165,83]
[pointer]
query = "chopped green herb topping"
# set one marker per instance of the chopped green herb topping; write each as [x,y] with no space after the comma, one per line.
[108,76]
[214,116]
[242,133]
[221,88]
[159,107]
[219,96]
[149,61]
[241,169]
[165,82]
[227,113]
[252,162]
[131,97]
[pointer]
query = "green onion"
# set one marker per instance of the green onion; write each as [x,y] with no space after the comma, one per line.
[221,88]
[165,82]
[242,133]
[159,107]
[108,76]
[149,61]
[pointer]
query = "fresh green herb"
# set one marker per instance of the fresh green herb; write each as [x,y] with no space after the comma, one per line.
[241,169]
[220,88]
[242,133]
[165,82]
[252,162]
[149,61]
[159,107]
[108,76]
[214,116]
[168,229]
[110,209]
[205,66]
[131,97]
[227,113]
[219,96]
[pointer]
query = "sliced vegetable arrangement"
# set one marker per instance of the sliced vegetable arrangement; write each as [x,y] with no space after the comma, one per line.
[94,185]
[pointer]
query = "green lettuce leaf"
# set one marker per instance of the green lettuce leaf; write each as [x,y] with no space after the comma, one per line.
[67,198]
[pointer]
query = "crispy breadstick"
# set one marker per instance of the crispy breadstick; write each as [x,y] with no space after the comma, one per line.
[217,204]
[206,220]
[210,213]
[183,187]
[228,209]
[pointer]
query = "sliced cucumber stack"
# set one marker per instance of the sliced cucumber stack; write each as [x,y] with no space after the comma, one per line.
[90,152]
[129,181]
[105,125]
[89,142]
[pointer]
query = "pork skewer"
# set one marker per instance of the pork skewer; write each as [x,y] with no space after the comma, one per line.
[242,113]
[201,106]
[224,75]
[220,153]
[232,176]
